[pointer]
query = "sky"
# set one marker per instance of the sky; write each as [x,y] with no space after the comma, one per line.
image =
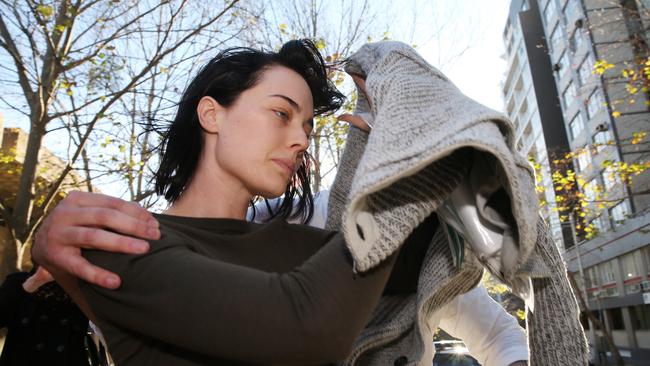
[479,71]
[463,38]
[441,29]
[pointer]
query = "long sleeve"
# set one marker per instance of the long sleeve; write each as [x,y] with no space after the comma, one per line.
[312,314]
[492,336]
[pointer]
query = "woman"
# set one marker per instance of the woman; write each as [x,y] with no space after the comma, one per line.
[213,288]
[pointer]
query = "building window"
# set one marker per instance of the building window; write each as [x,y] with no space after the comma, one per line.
[576,126]
[595,103]
[646,254]
[570,9]
[586,69]
[584,159]
[589,190]
[632,271]
[576,40]
[608,279]
[602,139]
[618,213]
[563,62]
[556,39]
[591,282]
[615,319]
[640,317]
[568,95]
[597,223]
[610,178]
[550,11]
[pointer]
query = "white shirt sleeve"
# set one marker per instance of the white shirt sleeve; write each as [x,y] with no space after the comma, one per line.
[491,335]
[321,200]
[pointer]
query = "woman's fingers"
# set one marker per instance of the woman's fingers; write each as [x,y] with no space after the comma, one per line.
[85,199]
[95,221]
[99,239]
[354,120]
[109,218]
[38,279]
[79,267]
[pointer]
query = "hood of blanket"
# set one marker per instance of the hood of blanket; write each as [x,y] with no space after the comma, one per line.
[418,117]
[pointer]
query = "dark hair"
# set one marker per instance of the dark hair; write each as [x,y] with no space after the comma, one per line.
[224,78]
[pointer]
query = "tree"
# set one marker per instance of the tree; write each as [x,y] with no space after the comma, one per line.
[64,65]
[612,166]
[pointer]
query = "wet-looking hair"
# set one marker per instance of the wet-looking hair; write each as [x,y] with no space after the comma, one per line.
[224,78]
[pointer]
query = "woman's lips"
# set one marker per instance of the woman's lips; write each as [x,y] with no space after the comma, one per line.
[286,164]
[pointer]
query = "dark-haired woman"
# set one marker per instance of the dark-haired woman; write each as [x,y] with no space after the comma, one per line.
[213,288]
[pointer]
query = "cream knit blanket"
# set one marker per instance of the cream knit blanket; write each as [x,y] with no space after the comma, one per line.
[414,158]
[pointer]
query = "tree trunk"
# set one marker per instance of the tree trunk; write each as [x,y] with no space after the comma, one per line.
[596,322]
[25,197]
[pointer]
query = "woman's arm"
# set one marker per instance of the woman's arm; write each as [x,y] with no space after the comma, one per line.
[312,314]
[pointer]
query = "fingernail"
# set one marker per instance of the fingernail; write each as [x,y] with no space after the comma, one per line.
[139,246]
[153,233]
[112,282]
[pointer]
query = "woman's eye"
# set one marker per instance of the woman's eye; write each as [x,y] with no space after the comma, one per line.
[282,115]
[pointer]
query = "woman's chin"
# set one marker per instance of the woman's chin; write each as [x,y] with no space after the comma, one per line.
[273,192]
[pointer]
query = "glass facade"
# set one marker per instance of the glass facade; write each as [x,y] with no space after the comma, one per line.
[632,266]
[595,103]
[601,140]
[576,126]
[586,69]
[568,95]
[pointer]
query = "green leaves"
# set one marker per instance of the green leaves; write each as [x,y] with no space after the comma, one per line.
[46,11]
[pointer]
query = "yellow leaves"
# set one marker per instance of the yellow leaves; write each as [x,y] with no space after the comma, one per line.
[320,44]
[601,66]
[45,10]
[107,141]
[638,137]
[616,114]
[631,89]
[521,314]
[283,28]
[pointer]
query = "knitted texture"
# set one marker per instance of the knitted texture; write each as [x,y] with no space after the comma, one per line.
[390,180]
[555,335]
[419,118]
[403,325]
[352,152]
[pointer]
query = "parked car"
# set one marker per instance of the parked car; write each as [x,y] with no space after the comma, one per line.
[452,353]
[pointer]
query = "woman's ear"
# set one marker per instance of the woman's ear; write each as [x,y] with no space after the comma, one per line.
[208,111]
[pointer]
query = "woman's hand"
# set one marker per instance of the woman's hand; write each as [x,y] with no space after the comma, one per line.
[83,220]
[38,279]
[356,121]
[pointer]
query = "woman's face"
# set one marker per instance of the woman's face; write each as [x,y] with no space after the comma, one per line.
[262,136]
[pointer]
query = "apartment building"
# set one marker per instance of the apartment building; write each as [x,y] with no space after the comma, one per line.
[597,116]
